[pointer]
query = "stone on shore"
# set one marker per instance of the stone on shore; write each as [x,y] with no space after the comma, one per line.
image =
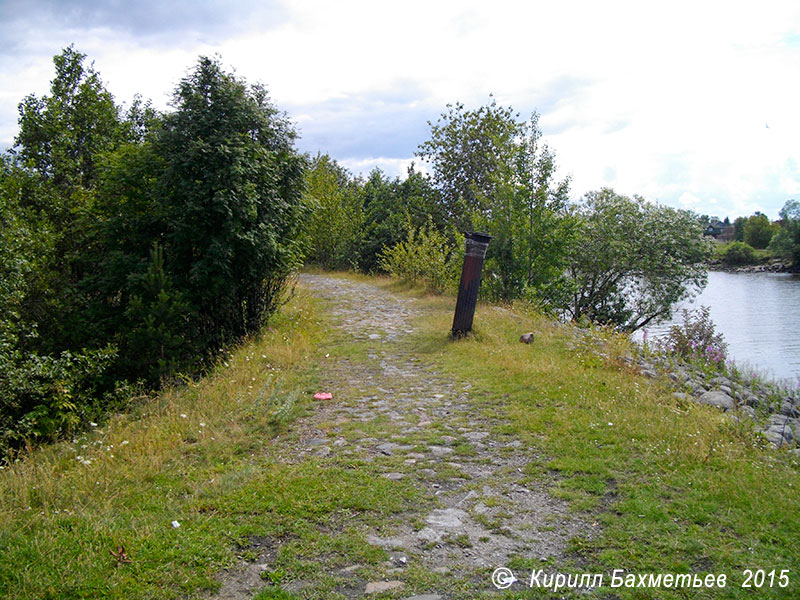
[718,399]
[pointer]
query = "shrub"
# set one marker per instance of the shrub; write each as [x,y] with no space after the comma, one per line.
[739,253]
[696,339]
[42,397]
[427,257]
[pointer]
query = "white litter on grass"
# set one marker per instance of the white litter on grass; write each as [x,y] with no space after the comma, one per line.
[183,415]
[175,524]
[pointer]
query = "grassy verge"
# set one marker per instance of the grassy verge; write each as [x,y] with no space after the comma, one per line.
[670,485]
[157,503]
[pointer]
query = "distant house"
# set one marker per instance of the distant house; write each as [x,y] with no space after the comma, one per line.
[719,230]
[715,228]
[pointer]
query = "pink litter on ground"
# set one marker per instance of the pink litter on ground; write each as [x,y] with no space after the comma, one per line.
[323,396]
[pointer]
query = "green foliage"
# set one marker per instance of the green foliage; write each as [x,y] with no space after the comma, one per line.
[231,192]
[42,397]
[530,224]
[758,231]
[62,136]
[391,209]
[465,150]
[156,323]
[493,174]
[136,244]
[634,260]
[738,229]
[696,339]
[427,257]
[336,217]
[786,242]
[739,253]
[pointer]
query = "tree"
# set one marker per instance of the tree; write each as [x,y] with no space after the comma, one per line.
[634,260]
[786,242]
[529,222]
[758,231]
[335,224]
[395,209]
[738,228]
[63,136]
[232,201]
[493,173]
[464,151]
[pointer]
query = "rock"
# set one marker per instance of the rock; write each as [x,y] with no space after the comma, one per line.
[526,338]
[428,534]
[718,399]
[440,450]
[388,448]
[680,395]
[777,421]
[789,409]
[774,436]
[297,586]
[375,587]
[399,559]
[449,518]
[394,476]
[386,542]
[751,399]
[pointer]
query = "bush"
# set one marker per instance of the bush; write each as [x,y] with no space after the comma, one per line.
[426,257]
[696,339]
[43,397]
[739,253]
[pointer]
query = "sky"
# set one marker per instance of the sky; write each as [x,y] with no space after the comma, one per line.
[692,104]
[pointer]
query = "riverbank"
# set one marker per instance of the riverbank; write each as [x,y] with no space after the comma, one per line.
[773,265]
[435,462]
[767,407]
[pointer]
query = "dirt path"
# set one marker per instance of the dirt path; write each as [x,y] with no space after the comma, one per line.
[421,426]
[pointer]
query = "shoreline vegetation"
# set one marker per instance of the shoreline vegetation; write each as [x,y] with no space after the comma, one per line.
[740,257]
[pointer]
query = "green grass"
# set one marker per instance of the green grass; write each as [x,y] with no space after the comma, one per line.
[759,255]
[674,488]
[203,455]
[670,487]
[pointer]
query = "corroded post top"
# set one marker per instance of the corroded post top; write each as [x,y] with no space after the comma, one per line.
[476,243]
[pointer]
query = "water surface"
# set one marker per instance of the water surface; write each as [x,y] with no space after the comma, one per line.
[759,315]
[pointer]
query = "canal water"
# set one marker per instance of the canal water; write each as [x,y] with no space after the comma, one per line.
[759,316]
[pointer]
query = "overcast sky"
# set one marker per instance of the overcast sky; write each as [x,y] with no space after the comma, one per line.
[693,104]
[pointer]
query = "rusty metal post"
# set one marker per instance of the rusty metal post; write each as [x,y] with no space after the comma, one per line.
[477,243]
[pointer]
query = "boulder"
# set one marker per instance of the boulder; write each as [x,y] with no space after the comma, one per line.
[718,399]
